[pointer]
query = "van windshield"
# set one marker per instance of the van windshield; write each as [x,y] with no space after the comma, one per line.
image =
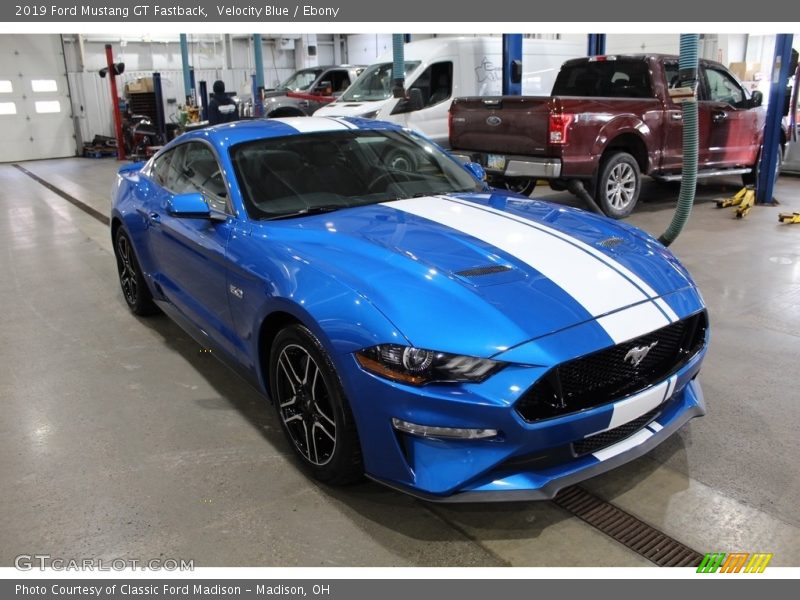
[375,83]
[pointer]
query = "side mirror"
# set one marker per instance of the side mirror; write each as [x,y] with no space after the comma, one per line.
[756,99]
[516,71]
[476,170]
[193,206]
[410,102]
[323,88]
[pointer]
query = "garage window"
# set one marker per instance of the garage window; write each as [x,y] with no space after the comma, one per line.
[8,108]
[5,86]
[48,106]
[44,85]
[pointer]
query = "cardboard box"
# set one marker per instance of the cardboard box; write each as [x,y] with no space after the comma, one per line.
[745,71]
[139,86]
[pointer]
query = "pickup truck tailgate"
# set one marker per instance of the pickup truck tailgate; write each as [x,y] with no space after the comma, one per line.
[507,125]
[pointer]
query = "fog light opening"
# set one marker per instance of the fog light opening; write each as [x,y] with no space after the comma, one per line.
[443,432]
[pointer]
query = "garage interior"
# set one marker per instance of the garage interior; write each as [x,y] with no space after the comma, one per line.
[122,437]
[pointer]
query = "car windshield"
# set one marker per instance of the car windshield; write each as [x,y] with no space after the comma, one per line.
[305,174]
[375,83]
[301,80]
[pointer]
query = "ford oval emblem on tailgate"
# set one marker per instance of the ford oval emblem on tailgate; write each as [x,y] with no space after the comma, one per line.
[493,120]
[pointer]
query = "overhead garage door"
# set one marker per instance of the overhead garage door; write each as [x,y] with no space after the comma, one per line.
[35,111]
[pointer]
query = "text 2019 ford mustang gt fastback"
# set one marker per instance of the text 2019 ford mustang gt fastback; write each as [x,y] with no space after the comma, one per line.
[406,321]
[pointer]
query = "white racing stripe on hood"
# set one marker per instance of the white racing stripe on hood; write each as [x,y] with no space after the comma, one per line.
[622,269]
[591,282]
[312,124]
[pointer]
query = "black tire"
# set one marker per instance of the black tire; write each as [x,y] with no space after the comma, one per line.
[312,408]
[520,185]
[134,288]
[618,185]
[751,178]
[400,160]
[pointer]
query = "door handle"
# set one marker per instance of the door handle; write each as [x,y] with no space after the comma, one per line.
[676,116]
[720,115]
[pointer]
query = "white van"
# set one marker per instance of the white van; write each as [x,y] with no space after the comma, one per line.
[444,68]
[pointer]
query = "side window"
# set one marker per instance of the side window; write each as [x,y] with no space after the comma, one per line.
[671,74]
[435,83]
[721,87]
[340,80]
[160,169]
[194,168]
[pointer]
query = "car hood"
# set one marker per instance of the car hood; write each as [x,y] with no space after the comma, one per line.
[481,273]
[349,109]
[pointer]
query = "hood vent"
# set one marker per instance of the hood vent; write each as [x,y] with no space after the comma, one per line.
[485,270]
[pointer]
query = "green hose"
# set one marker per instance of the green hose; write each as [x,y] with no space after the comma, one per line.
[688,76]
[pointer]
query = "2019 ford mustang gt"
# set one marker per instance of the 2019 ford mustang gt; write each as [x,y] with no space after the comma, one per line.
[406,321]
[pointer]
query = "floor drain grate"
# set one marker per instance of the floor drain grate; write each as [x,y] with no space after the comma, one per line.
[645,540]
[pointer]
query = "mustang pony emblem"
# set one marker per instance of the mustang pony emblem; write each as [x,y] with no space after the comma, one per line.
[637,354]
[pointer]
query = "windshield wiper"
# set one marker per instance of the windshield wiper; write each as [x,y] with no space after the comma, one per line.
[311,210]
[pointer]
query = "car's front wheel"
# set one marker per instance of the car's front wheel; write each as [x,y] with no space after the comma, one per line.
[134,288]
[312,408]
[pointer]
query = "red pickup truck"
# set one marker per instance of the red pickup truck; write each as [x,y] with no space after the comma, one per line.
[609,120]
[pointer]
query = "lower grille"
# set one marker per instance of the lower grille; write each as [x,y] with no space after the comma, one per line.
[604,439]
[614,373]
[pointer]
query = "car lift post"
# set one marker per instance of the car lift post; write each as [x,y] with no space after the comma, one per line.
[512,64]
[187,78]
[112,80]
[596,44]
[258,52]
[772,128]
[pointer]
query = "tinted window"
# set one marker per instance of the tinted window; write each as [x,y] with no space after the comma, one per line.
[435,83]
[340,80]
[160,169]
[620,78]
[301,81]
[283,176]
[721,87]
[194,168]
[375,83]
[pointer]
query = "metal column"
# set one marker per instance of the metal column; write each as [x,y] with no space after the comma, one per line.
[187,80]
[765,185]
[596,44]
[258,54]
[204,101]
[161,122]
[512,64]
[112,80]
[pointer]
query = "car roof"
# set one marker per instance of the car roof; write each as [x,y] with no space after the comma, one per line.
[237,132]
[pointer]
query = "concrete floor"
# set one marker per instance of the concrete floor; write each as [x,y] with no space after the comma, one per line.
[119,438]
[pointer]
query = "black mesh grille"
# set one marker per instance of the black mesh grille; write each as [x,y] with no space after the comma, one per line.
[604,439]
[610,374]
[480,271]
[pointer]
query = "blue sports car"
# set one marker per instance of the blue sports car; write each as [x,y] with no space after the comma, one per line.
[409,323]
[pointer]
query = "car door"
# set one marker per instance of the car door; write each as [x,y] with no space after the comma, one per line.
[436,87]
[190,252]
[731,125]
[672,155]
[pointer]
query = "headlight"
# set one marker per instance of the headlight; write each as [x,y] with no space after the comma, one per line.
[416,366]
[370,115]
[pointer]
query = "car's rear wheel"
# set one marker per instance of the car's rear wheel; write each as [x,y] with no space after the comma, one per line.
[618,185]
[312,408]
[134,288]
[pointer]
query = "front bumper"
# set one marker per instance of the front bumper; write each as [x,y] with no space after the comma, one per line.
[526,460]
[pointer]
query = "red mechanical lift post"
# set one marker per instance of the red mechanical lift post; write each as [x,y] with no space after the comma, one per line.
[112,78]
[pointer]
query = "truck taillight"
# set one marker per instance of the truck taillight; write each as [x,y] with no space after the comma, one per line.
[557,127]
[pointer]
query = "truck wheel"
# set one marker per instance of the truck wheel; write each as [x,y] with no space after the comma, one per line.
[618,185]
[751,178]
[520,185]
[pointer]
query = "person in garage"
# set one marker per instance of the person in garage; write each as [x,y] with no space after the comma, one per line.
[221,107]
